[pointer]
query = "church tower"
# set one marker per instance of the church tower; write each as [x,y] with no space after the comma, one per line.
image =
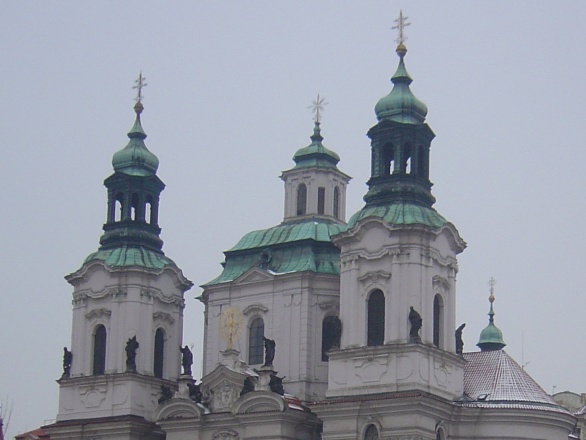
[284,281]
[128,301]
[398,260]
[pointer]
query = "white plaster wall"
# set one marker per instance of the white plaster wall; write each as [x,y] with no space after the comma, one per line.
[292,307]
[314,178]
[127,302]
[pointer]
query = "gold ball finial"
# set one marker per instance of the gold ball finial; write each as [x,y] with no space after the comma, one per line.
[138,108]
[401,50]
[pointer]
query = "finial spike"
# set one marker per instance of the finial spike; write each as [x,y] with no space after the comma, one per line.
[140,84]
[402,23]
[317,106]
[491,283]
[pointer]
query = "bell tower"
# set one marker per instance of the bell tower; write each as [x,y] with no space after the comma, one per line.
[128,300]
[398,264]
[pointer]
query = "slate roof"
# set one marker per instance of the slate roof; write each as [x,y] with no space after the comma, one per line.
[493,379]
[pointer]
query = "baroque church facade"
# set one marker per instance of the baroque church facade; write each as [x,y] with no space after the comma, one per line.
[362,312]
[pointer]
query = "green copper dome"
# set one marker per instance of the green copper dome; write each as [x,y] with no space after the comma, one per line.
[315,154]
[135,159]
[401,105]
[491,338]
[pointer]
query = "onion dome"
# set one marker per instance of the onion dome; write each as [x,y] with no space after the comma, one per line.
[401,105]
[135,159]
[491,338]
[315,154]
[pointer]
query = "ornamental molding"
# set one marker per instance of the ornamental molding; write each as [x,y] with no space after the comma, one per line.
[116,292]
[163,317]
[99,313]
[330,306]
[226,434]
[404,437]
[379,278]
[440,283]
[255,308]
[152,294]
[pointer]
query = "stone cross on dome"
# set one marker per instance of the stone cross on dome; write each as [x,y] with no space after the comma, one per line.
[402,23]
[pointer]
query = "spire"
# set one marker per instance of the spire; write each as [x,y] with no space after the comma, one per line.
[401,105]
[315,154]
[491,338]
[135,159]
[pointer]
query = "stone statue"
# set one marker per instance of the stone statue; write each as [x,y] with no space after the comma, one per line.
[194,392]
[166,394]
[186,360]
[269,352]
[248,386]
[459,341]
[67,358]
[276,384]
[416,322]
[131,347]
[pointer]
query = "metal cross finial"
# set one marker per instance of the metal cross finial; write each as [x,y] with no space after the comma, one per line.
[491,283]
[140,83]
[401,25]
[317,106]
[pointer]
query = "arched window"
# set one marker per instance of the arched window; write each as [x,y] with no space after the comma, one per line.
[99,366]
[371,433]
[148,210]
[134,207]
[118,207]
[301,199]
[439,434]
[336,202]
[438,321]
[256,333]
[321,200]
[331,331]
[159,353]
[376,318]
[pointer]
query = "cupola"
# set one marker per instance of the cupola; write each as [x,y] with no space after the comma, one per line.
[401,105]
[135,159]
[491,338]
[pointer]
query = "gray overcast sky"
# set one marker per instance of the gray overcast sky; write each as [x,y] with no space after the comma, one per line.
[226,108]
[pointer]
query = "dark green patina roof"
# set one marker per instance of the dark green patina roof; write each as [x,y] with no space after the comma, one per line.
[288,233]
[315,154]
[135,159]
[400,214]
[286,248]
[401,105]
[131,256]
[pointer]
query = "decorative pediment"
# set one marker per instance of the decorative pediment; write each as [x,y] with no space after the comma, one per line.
[221,388]
[377,278]
[441,284]
[98,313]
[254,275]
[163,317]
[330,306]
[259,402]
[178,409]
[226,434]
[255,308]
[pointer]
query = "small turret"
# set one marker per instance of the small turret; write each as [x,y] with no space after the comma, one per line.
[491,338]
